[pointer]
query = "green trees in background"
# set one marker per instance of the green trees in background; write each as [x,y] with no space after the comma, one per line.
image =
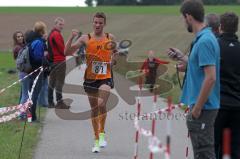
[154,2]
[112,2]
[158,2]
[89,2]
[221,1]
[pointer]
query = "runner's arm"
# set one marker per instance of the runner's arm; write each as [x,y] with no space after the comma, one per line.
[70,47]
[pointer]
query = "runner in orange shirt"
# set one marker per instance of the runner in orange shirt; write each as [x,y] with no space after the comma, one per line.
[98,75]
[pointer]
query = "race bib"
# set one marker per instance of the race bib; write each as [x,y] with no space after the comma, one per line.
[99,67]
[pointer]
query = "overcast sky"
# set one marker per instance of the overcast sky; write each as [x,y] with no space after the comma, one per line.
[42,3]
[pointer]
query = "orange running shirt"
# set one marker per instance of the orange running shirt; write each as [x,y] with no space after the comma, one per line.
[98,58]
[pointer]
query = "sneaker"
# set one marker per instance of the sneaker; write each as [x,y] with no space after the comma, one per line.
[62,105]
[51,105]
[102,141]
[96,147]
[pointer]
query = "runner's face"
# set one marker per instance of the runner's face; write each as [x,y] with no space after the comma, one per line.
[98,25]
[19,38]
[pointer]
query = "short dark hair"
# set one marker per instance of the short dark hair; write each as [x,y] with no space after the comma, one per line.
[100,15]
[229,22]
[193,8]
[212,20]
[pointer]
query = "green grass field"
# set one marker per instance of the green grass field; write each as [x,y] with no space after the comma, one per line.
[11,132]
[10,139]
[10,96]
[163,10]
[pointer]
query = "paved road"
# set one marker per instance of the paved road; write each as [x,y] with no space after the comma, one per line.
[73,139]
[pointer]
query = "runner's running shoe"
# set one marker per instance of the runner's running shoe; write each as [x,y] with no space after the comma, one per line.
[96,147]
[102,141]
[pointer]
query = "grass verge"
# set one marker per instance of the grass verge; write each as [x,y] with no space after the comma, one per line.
[11,132]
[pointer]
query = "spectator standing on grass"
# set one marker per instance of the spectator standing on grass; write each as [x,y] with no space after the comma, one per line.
[18,44]
[37,46]
[58,69]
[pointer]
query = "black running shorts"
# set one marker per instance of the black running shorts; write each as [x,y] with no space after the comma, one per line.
[92,86]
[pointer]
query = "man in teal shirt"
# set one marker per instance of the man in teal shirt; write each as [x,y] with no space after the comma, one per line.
[201,88]
[204,53]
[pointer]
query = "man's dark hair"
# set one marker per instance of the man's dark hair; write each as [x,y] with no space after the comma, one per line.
[193,8]
[229,22]
[100,15]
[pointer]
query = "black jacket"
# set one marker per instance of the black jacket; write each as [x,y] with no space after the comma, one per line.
[230,71]
[31,36]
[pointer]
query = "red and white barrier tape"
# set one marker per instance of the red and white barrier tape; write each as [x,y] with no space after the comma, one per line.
[153,124]
[9,109]
[155,145]
[140,82]
[20,80]
[21,107]
[168,139]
